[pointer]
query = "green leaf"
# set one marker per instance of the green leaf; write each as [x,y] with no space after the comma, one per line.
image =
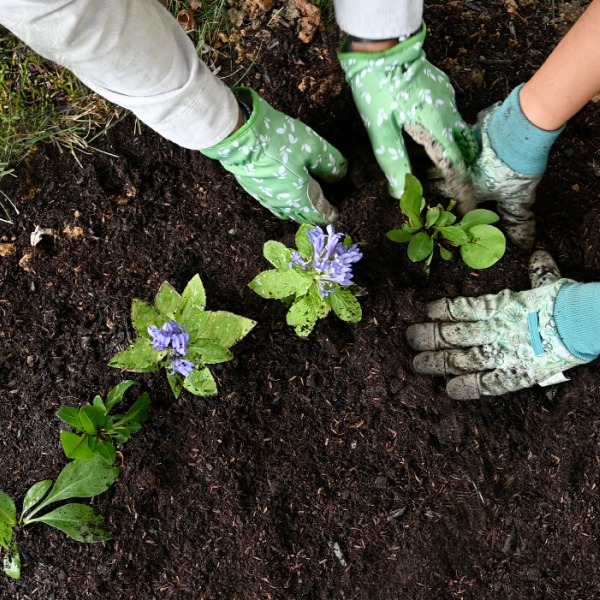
[304,245]
[8,510]
[81,479]
[410,202]
[280,284]
[399,235]
[35,493]
[445,218]
[122,434]
[107,451]
[175,383]
[445,253]
[208,353]
[139,409]
[78,521]
[91,417]
[433,214]
[134,427]
[116,394]
[223,328]
[302,316]
[99,403]
[167,300]
[140,357]
[6,534]
[345,305]
[70,415]
[479,216]
[76,446]
[201,383]
[277,254]
[454,234]
[486,246]
[193,301]
[12,562]
[143,315]
[420,247]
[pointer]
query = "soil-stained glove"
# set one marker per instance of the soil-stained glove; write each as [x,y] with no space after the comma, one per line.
[497,343]
[399,89]
[273,156]
[513,192]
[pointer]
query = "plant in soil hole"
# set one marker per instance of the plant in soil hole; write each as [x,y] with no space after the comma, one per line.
[312,280]
[98,430]
[79,479]
[428,227]
[177,333]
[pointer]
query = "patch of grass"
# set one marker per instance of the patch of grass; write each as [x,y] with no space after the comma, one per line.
[44,103]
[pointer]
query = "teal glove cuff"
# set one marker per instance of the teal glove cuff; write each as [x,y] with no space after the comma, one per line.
[517,141]
[399,90]
[577,316]
[272,157]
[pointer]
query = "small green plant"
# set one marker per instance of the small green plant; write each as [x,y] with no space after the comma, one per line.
[312,280]
[177,333]
[79,479]
[428,227]
[98,430]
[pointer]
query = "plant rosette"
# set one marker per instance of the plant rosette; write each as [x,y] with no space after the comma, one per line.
[180,335]
[430,227]
[312,280]
[96,430]
[79,479]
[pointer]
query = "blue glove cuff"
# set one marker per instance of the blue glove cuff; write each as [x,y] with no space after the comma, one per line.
[577,317]
[517,141]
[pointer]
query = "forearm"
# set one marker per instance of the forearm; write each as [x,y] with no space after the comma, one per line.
[135,54]
[379,19]
[569,78]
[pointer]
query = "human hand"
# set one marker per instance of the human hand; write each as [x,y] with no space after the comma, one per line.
[273,157]
[398,89]
[497,343]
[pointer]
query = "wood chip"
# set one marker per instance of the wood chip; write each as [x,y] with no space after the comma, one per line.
[73,231]
[310,20]
[7,250]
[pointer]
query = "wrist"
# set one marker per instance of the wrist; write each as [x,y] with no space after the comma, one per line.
[370,46]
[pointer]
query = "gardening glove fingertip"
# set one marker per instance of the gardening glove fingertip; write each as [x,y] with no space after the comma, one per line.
[430,363]
[464,387]
[543,270]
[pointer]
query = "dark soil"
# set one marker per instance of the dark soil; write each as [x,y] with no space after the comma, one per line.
[311,443]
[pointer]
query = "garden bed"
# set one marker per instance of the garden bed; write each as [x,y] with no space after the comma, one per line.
[326,468]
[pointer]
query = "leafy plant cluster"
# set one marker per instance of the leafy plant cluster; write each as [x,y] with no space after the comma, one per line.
[313,280]
[430,227]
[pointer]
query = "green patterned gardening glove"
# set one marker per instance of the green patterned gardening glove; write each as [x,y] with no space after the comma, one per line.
[399,89]
[497,343]
[273,156]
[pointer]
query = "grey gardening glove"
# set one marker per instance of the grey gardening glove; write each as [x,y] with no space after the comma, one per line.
[494,180]
[273,157]
[400,90]
[497,343]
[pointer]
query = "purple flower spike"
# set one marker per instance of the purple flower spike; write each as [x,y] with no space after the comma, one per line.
[181,366]
[332,260]
[170,334]
[160,340]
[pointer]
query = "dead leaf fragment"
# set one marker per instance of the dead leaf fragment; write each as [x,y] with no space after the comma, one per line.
[38,235]
[24,262]
[195,4]
[7,250]
[73,231]
[310,20]
[186,19]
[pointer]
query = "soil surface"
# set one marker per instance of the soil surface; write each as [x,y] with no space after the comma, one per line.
[326,468]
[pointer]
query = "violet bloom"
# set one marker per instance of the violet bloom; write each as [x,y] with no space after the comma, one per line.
[332,259]
[181,366]
[170,334]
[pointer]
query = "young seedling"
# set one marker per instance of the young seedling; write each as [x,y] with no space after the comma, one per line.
[314,279]
[79,479]
[431,227]
[177,333]
[98,430]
